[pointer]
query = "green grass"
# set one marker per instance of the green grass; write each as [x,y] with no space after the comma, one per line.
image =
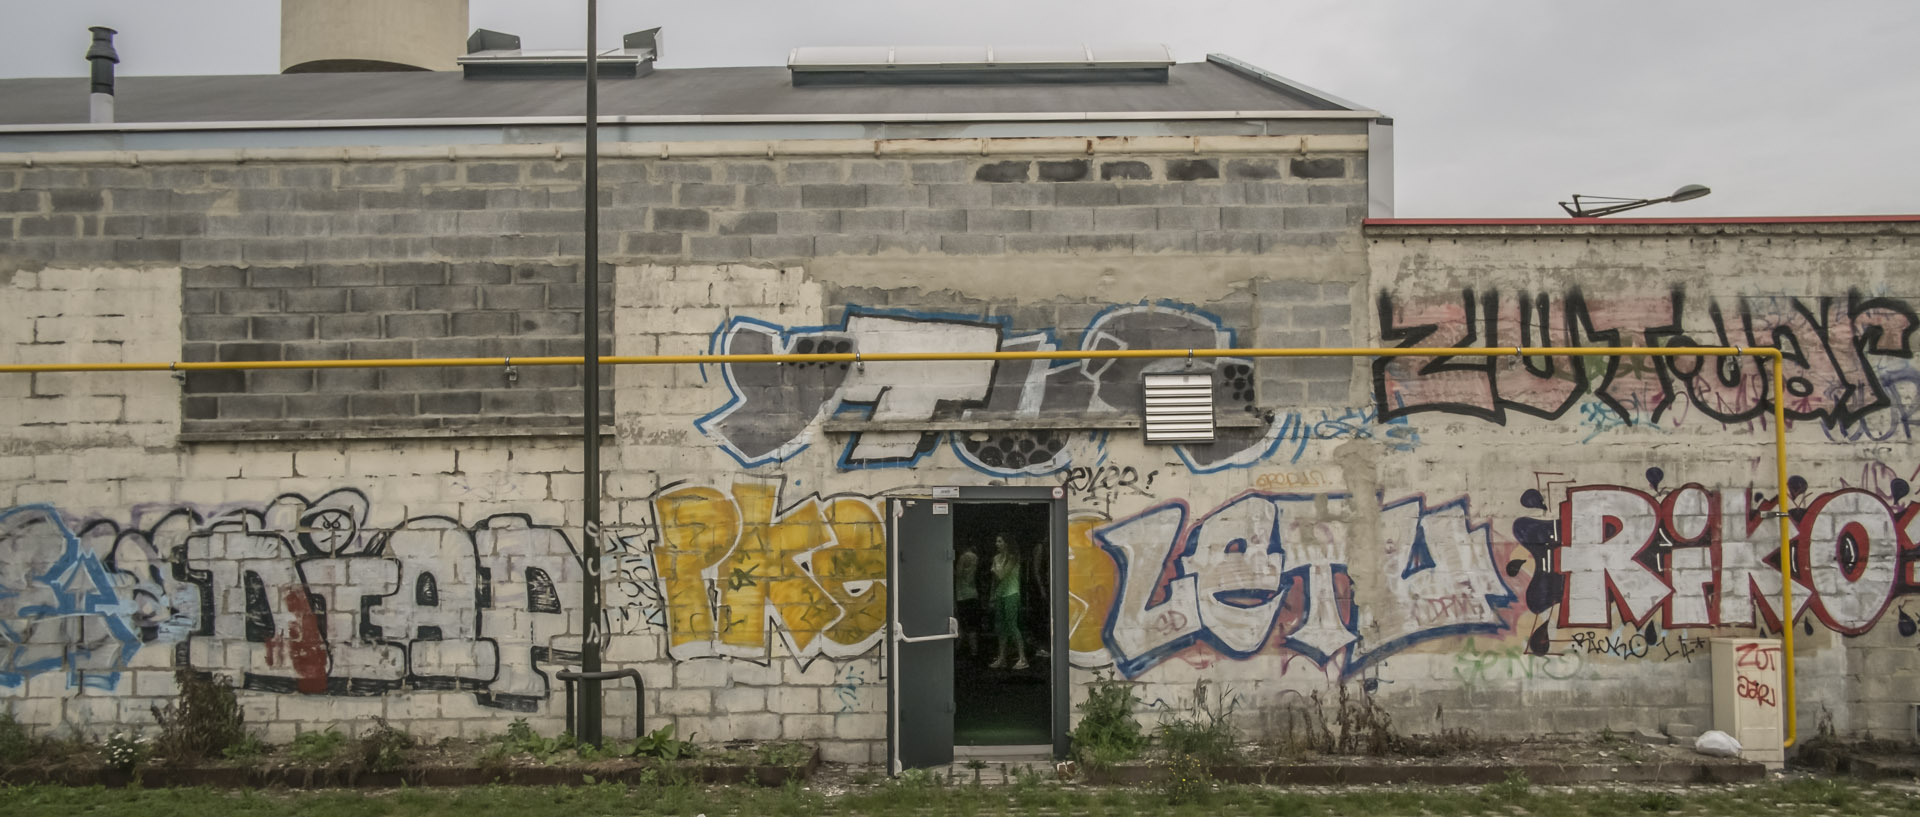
[929,798]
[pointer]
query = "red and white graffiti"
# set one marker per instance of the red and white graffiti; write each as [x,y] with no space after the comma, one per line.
[1701,558]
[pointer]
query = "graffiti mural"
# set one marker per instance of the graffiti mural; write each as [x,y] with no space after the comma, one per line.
[304,596]
[296,596]
[738,567]
[1298,428]
[773,407]
[1092,581]
[82,603]
[1478,664]
[1270,571]
[1835,350]
[1690,556]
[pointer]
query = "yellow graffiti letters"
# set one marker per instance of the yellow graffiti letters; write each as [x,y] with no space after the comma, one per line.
[732,566]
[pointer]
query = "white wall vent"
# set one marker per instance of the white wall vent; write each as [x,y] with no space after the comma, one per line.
[1179,407]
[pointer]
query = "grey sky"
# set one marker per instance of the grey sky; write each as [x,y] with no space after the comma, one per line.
[1503,106]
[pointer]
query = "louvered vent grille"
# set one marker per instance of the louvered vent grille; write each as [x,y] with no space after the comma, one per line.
[1179,408]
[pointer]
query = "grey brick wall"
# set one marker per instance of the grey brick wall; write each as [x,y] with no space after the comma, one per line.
[479,257]
[1305,314]
[402,309]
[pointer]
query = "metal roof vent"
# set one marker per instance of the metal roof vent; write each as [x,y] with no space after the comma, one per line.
[1179,407]
[498,54]
[977,65]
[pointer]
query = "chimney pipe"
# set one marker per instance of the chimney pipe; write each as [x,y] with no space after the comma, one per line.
[103,57]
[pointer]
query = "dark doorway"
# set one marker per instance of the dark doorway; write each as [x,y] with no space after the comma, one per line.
[1003,664]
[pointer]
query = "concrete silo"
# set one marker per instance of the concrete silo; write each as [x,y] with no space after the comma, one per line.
[371,35]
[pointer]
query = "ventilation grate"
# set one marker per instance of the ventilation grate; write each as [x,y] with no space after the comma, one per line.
[1179,408]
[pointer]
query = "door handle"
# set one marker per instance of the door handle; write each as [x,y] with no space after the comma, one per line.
[953,632]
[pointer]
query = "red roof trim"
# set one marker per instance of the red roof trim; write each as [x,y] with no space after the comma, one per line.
[1569,222]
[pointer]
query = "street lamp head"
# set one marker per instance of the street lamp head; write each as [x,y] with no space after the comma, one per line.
[1689,192]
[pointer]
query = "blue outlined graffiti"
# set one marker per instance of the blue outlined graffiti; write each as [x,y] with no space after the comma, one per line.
[1900,380]
[61,607]
[1267,568]
[1298,429]
[773,410]
[294,596]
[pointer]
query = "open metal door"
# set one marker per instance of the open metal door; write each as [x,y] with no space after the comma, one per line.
[921,640]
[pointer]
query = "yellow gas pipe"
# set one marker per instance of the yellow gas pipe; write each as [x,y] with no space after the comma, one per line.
[1769,353]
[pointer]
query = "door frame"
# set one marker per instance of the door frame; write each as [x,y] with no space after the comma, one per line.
[1059,664]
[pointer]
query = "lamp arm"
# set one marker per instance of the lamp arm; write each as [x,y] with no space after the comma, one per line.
[1579,212]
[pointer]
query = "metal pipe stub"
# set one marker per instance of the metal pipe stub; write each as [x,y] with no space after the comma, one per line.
[568,676]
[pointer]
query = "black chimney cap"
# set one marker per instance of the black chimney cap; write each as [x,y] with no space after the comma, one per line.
[103,44]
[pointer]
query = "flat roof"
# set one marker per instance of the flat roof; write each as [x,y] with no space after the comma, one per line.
[418,97]
[1633,222]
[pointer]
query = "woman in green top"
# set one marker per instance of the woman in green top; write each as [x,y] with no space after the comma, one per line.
[1006,605]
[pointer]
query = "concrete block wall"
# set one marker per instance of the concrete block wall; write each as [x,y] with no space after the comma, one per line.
[398,309]
[1675,449]
[359,259]
[1476,523]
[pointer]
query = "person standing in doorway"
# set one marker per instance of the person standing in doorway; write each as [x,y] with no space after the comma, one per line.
[966,599]
[1006,605]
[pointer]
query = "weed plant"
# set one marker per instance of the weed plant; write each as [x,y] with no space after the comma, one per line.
[202,721]
[520,739]
[1207,736]
[126,752]
[1348,725]
[16,744]
[1445,741]
[784,754]
[317,748]
[1187,780]
[250,747]
[661,744]
[385,748]
[1107,732]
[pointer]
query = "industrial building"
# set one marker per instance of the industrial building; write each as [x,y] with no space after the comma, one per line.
[1523,544]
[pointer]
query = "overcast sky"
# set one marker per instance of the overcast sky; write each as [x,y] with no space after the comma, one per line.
[1502,107]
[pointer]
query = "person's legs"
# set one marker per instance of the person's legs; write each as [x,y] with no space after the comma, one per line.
[1019,639]
[1006,627]
[970,625]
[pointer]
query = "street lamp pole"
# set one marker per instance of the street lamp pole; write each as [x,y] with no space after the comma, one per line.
[588,720]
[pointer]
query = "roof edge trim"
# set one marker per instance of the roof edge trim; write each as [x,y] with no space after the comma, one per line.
[1263,76]
[966,146]
[676,119]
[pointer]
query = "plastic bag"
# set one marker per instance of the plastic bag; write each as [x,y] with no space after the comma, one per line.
[1717,743]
